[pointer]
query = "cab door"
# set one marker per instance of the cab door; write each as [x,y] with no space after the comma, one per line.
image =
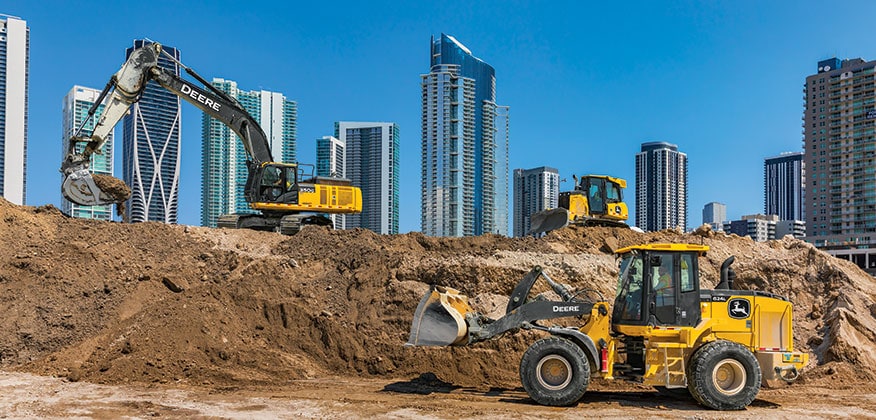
[688,313]
[675,295]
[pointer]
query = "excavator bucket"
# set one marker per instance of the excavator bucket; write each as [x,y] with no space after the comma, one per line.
[87,189]
[440,319]
[548,220]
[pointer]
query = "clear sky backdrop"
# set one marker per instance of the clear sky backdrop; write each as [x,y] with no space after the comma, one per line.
[587,82]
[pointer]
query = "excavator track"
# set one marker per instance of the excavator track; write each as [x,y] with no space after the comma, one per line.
[291,224]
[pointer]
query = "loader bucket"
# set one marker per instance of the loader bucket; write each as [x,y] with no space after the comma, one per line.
[548,220]
[440,319]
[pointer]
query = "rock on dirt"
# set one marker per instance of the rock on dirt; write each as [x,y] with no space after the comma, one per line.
[93,301]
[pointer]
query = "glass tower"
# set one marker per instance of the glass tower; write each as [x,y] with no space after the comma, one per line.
[150,149]
[464,145]
[223,157]
[14,62]
[77,102]
[783,186]
[372,164]
[661,187]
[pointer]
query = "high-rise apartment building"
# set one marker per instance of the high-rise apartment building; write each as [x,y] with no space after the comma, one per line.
[330,162]
[714,215]
[661,187]
[151,143]
[223,157]
[535,190]
[464,145]
[839,141]
[77,102]
[14,62]
[372,163]
[783,186]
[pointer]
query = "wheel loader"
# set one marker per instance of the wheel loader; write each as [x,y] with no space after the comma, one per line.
[596,200]
[662,330]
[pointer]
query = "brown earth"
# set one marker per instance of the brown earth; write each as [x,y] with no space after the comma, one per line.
[150,303]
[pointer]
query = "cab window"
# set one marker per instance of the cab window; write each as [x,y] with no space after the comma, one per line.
[687,274]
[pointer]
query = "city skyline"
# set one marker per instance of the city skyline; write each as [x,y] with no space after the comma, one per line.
[627,89]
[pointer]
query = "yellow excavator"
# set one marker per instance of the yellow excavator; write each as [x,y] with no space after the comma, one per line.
[716,345]
[597,200]
[285,194]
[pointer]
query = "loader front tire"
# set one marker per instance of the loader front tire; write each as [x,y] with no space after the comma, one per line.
[724,375]
[555,372]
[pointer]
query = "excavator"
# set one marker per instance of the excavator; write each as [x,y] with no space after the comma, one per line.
[717,346]
[286,196]
[596,200]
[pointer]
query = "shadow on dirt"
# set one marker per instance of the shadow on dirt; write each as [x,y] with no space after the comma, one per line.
[424,384]
[429,383]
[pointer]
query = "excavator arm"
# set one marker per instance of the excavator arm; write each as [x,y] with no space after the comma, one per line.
[127,86]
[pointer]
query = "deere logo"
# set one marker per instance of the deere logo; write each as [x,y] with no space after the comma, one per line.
[739,308]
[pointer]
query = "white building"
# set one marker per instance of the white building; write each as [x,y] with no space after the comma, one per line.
[14,58]
[661,187]
[535,190]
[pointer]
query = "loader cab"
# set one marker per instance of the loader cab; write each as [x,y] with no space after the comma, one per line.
[658,285]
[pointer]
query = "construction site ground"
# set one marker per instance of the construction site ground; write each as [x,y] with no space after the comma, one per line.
[106,320]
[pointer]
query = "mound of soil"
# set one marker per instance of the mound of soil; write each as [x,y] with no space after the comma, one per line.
[115,303]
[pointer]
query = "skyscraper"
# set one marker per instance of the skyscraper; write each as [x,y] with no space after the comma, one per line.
[535,190]
[838,141]
[77,102]
[783,186]
[464,145]
[715,214]
[330,162]
[223,157]
[661,187]
[14,62]
[151,142]
[372,163]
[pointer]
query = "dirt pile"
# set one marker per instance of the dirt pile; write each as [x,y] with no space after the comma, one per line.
[113,303]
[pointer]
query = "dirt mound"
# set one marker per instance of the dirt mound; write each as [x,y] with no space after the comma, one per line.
[113,303]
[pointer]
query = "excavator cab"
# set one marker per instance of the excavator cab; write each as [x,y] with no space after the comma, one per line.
[274,182]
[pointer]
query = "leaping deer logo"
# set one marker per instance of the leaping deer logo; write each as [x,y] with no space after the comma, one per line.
[739,309]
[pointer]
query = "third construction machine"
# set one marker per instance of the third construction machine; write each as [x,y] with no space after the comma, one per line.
[663,330]
[597,200]
[284,194]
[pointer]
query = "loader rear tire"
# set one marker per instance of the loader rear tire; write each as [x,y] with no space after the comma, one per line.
[555,372]
[724,375]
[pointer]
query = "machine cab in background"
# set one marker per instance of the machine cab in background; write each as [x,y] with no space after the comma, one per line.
[658,285]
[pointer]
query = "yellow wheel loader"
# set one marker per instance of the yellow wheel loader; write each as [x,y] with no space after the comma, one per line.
[597,200]
[716,345]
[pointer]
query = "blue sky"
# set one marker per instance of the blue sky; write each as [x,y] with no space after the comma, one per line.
[587,82]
